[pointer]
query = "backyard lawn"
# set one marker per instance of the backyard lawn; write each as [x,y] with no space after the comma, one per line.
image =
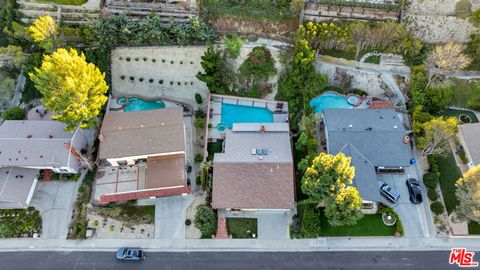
[369,225]
[65,2]
[242,227]
[473,228]
[449,174]
[466,94]
[458,113]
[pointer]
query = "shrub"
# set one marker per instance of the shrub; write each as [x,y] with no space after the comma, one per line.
[463,157]
[430,180]
[311,222]
[432,161]
[199,122]
[15,113]
[188,222]
[199,113]
[437,208]
[432,194]
[198,158]
[205,221]
[233,44]
[198,98]
[359,92]
[258,66]
[198,180]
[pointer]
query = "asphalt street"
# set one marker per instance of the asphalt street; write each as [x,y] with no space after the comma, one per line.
[228,260]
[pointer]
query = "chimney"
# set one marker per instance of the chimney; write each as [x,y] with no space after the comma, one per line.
[100,137]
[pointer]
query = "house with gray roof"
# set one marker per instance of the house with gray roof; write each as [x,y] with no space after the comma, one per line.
[376,141]
[26,147]
[469,138]
[255,170]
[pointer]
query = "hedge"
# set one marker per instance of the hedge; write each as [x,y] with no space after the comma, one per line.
[205,221]
[437,208]
[311,222]
[430,180]
[432,194]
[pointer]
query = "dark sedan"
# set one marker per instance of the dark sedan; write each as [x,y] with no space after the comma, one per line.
[415,191]
[130,254]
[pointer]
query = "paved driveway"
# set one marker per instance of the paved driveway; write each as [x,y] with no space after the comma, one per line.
[55,201]
[273,225]
[415,218]
[170,214]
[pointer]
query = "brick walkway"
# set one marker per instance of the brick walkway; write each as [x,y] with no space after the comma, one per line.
[222,231]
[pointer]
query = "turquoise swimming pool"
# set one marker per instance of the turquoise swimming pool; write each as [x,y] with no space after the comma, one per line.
[138,104]
[329,101]
[244,114]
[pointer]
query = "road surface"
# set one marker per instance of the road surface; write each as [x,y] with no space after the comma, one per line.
[228,260]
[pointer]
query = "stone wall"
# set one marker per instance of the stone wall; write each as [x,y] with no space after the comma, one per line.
[322,12]
[158,72]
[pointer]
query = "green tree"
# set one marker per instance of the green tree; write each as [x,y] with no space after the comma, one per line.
[15,113]
[475,17]
[233,44]
[206,221]
[468,195]
[436,134]
[11,57]
[213,64]
[327,176]
[345,208]
[438,96]
[258,66]
[72,88]
[44,31]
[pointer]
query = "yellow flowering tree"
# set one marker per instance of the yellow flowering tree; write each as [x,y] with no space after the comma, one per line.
[44,31]
[345,208]
[468,195]
[71,87]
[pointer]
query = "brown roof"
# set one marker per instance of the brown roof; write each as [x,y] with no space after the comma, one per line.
[381,104]
[165,171]
[126,134]
[255,185]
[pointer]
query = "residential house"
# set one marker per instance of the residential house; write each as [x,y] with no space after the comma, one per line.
[26,147]
[375,139]
[142,155]
[469,138]
[255,172]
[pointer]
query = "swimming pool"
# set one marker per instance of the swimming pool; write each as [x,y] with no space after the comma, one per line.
[244,114]
[138,104]
[329,101]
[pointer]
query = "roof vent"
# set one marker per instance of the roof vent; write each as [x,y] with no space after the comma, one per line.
[254,151]
[29,136]
[369,129]
[395,127]
[50,136]
[350,126]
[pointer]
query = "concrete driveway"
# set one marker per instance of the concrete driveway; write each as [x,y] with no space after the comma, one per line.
[415,218]
[170,215]
[273,225]
[55,201]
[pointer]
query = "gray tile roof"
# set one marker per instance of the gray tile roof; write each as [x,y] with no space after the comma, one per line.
[377,134]
[34,144]
[471,134]
[243,180]
[373,138]
[127,134]
[365,176]
[15,186]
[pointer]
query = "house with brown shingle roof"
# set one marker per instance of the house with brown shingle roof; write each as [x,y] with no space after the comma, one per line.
[142,155]
[255,170]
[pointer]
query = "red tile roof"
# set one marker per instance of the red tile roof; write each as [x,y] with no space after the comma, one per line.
[144,194]
[381,104]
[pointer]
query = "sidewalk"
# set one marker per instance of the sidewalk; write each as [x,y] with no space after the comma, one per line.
[265,245]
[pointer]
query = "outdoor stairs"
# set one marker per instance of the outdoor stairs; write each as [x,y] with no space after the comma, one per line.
[222,231]
[65,14]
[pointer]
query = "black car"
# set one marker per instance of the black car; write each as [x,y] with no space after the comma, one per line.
[130,254]
[415,191]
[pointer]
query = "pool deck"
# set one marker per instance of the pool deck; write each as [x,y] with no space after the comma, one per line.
[215,114]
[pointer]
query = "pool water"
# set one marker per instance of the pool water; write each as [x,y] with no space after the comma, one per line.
[329,101]
[138,104]
[245,114]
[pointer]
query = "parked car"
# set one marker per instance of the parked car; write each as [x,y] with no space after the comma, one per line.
[414,190]
[388,192]
[130,254]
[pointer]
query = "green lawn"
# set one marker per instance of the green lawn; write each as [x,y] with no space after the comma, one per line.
[65,2]
[457,113]
[242,227]
[473,228]
[214,147]
[449,174]
[465,94]
[374,59]
[369,225]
